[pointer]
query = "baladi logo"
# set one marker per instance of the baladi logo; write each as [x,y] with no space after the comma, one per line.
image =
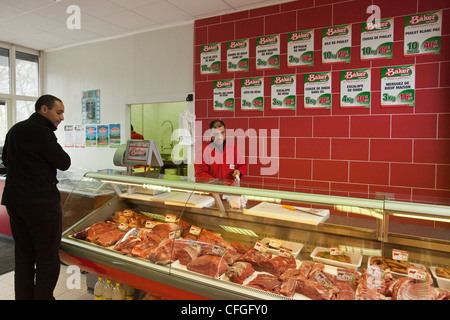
[335,31]
[298,36]
[223,84]
[252,82]
[317,77]
[268,40]
[398,71]
[380,25]
[210,47]
[427,17]
[283,79]
[238,44]
[355,74]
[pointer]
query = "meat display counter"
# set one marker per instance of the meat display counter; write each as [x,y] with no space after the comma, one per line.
[184,239]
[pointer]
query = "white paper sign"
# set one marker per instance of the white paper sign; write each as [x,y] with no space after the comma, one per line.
[317,88]
[284,91]
[377,39]
[252,94]
[224,95]
[301,48]
[237,55]
[268,52]
[355,88]
[337,44]
[398,86]
[210,58]
[423,33]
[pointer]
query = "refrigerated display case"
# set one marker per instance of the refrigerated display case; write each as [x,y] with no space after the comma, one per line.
[183,239]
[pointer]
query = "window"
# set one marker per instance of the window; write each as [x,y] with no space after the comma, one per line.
[19,85]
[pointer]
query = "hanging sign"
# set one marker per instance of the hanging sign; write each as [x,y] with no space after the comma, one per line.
[68,134]
[102,136]
[210,58]
[114,135]
[224,95]
[237,55]
[91,136]
[398,86]
[337,44]
[423,33]
[284,91]
[355,88]
[268,52]
[377,39]
[79,136]
[252,94]
[90,106]
[317,90]
[300,48]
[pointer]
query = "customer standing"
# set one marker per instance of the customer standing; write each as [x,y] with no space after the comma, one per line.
[31,155]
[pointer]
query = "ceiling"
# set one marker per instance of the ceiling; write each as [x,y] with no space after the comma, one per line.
[43,24]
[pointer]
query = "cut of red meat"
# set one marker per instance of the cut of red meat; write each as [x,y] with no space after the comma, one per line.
[214,238]
[162,253]
[98,229]
[256,257]
[163,230]
[240,247]
[278,265]
[185,251]
[126,246]
[313,289]
[109,238]
[239,271]
[143,249]
[291,272]
[212,266]
[342,291]
[266,282]
[288,286]
[306,267]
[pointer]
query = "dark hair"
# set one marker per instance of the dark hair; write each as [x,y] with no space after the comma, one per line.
[47,100]
[216,124]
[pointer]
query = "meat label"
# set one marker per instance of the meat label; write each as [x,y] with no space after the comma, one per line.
[170,218]
[275,243]
[417,274]
[261,247]
[343,275]
[423,33]
[399,255]
[195,230]
[323,280]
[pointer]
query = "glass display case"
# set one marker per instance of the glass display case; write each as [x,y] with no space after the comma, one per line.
[186,239]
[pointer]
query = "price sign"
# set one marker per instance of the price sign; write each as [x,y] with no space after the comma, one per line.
[343,275]
[323,280]
[400,255]
[149,224]
[335,251]
[275,243]
[195,230]
[220,251]
[171,218]
[261,247]
[123,226]
[174,234]
[376,272]
[285,252]
[417,274]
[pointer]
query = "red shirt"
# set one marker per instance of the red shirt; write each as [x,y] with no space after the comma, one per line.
[135,135]
[215,164]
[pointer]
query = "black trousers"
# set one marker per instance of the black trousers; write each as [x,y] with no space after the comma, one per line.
[37,235]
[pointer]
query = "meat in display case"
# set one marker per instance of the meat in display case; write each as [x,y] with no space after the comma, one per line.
[184,239]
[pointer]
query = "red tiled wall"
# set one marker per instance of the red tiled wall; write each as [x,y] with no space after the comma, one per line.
[356,152]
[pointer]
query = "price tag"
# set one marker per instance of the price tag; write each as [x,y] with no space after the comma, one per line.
[220,251]
[171,218]
[343,275]
[149,224]
[323,280]
[335,251]
[128,213]
[275,243]
[195,230]
[123,226]
[261,247]
[285,252]
[417,274]
[399,255]
[174,234]
[376,272]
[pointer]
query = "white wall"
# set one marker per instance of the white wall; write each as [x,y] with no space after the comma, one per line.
[133,69]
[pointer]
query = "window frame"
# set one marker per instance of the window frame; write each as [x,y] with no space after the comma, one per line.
[12,97]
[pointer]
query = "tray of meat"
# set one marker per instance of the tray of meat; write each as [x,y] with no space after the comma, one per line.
[442,276]
[351,260]
[295,247]
[398,268]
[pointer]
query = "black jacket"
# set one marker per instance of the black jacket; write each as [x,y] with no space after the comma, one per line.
[31,155]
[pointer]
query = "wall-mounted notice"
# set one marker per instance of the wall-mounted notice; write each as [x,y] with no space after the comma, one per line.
[237,55]
[355,88]
[102,136]
[284,92]
[300,48]
[423,33]
[398,86]
[210,58]
[252,94]
[68,136]
[224,95]
[337,44]
[79,136]
[91,136]
[268,52]
[377,39]
[318,90]
[90,106]
[114,135]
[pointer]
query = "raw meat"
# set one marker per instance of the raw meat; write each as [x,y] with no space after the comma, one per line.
[291,272]
[214,238]
[231,257]
[185,251]
[98,229]
[306,267]
[406,288]
[162,253]
[313,289]
[342,291]
[317,267]
[240,247]
[109,238]
[239,271]
[256,257]
[266,282]
[126,245]
[278,265]
[143,249]
[288,286]
[212,266]
[164,229]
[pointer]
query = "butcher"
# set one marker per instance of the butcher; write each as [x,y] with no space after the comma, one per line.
[32,155]
[219,159]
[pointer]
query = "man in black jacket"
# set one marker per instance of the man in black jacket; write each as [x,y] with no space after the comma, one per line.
[32,155]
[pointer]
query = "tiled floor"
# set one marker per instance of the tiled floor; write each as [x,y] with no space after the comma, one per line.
[66,289]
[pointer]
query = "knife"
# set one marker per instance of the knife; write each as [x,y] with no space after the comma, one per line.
[297,209]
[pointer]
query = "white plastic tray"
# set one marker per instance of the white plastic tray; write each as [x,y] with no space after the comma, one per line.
[355,258]
[443,283]
[399,274]
[294,246]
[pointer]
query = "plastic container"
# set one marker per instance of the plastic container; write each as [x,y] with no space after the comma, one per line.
[98,288]
[294,246]
[129,292]
[355,258]
[443,283]
[108,290]
[399,274]
[118,292]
